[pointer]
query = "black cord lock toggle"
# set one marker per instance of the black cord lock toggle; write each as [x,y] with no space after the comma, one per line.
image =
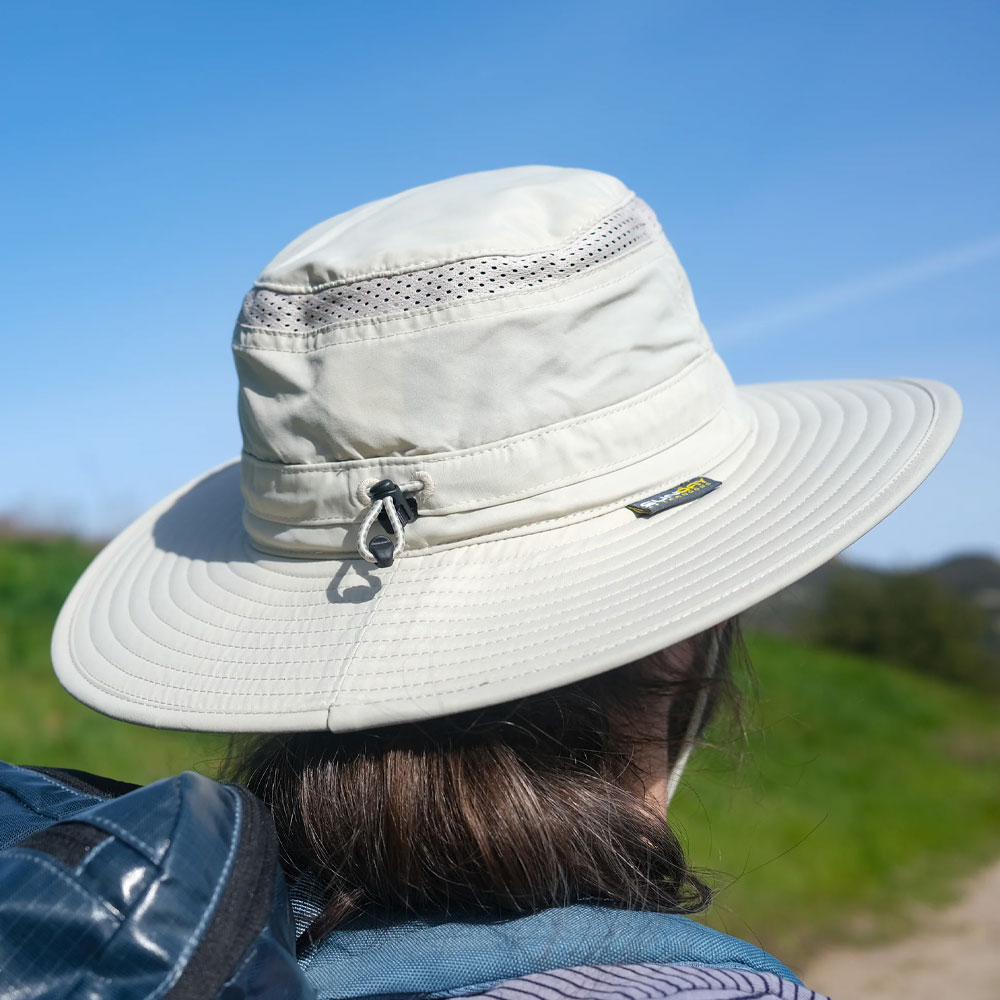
[406,509]
[406,506]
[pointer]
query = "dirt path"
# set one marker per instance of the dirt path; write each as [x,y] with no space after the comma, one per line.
[954,953]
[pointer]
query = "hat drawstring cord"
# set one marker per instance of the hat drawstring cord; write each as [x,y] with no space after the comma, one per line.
[394,511]
[676,769]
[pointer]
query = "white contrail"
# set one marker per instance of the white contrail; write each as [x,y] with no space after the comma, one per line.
[858,289]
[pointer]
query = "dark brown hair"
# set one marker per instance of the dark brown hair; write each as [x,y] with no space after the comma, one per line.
[503,810]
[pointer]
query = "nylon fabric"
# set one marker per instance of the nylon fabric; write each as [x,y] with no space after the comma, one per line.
[562,471]
[126,921]
[455,378]
[30,801]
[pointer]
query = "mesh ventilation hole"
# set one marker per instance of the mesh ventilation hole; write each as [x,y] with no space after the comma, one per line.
[467,280]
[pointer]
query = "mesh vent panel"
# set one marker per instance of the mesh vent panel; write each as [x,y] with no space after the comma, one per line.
[465,280]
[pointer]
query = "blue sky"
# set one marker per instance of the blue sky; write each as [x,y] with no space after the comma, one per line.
[826,171]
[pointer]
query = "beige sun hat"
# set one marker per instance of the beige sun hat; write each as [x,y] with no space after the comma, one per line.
[515,358]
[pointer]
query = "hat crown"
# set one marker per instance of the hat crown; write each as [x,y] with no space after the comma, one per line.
[500,334]
[513,211]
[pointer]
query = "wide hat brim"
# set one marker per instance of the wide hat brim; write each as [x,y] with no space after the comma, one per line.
[181,623]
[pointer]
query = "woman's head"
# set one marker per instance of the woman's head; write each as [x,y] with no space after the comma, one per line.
[506,373]
[549,800]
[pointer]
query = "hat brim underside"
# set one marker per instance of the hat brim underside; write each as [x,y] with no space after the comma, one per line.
[180,623]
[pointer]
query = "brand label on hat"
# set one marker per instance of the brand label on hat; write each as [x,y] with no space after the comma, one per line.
[684,492]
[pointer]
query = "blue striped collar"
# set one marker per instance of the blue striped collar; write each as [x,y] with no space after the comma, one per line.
[440,958]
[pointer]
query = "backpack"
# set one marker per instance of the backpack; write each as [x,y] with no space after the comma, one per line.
[171,891]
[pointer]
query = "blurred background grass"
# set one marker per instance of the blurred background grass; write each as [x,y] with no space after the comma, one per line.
[859,789]
[39,722]
[855,788]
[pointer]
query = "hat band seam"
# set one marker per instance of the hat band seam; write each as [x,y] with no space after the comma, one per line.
[265,479]
[291,469]
[707,465]
[348,551]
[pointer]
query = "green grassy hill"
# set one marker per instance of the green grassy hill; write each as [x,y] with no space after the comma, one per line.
[39,722]
[858,789]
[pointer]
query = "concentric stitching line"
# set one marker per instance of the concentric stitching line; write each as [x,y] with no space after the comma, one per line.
[578,592]
[926,436]
[575,598]
[149,681]
[660,622]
